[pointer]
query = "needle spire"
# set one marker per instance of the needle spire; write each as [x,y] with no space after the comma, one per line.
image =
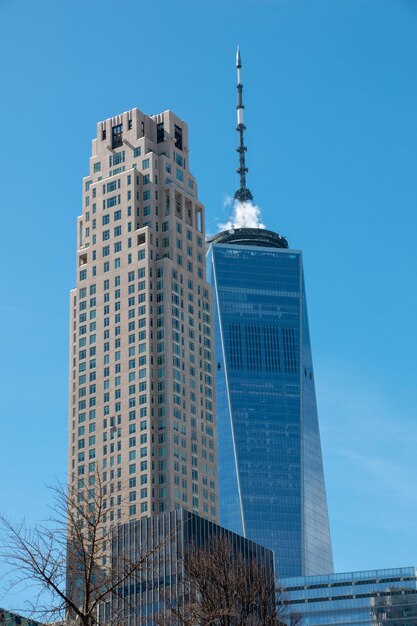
[243,194]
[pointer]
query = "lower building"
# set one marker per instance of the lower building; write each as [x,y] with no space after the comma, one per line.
[7,618]
[370,598]
[168,537]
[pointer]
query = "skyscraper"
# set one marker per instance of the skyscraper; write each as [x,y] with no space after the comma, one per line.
[271,481]
[141,389]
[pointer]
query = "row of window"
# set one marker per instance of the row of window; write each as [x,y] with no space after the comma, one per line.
[106,265]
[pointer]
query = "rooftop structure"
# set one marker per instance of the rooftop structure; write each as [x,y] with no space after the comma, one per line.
[250,237]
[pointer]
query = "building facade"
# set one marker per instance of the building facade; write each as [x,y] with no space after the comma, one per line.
[271,481]
[7,618]
[173,534]
[141,383]
[369,598]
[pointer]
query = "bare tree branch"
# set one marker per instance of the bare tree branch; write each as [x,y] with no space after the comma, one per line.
[67,560]
[222,587]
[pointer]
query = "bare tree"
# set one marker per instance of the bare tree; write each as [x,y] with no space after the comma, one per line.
[67,560]
[222,587]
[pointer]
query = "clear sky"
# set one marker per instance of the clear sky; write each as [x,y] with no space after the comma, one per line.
[330,89]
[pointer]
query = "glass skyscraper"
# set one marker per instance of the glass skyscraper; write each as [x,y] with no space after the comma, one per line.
[271,482]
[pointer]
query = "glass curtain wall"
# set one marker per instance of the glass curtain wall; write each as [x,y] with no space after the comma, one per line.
[271,482]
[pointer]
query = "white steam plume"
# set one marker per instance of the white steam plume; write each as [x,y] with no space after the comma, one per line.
[242,215]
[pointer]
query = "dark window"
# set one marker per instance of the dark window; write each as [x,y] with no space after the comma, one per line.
[117,136]
[160,134]
[178,137]
[103,134]
[130,125]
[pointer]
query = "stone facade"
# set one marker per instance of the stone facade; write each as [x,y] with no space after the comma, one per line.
[141,363]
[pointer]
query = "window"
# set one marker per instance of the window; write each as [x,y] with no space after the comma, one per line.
[106,219]
[136,152]
[146,179]
[117,136]
[179,159]
[116,158]
[97,167]
[145,164]
[160,134]
[179,175]
[178,137]
[111,202]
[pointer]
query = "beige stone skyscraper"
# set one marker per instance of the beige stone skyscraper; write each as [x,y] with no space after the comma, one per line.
[141,362]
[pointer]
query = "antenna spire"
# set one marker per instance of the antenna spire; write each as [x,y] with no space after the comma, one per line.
[243,194]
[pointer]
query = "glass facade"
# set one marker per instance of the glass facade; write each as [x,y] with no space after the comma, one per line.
[271,482]
[368,598]
[7,618]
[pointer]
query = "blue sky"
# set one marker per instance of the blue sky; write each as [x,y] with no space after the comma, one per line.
[331,112]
